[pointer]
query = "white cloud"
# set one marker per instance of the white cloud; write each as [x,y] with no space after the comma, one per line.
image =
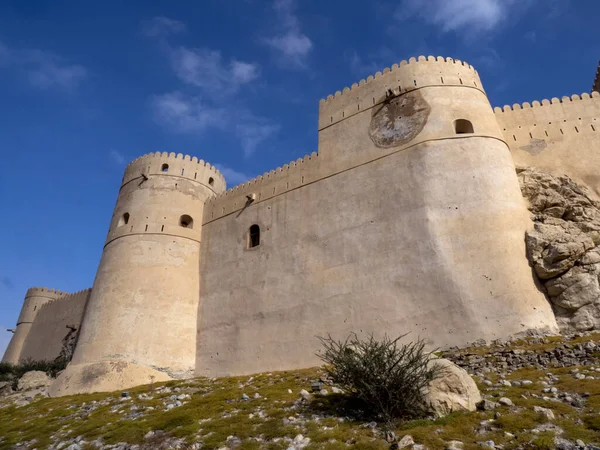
[186,114]
[43,69]
[291,44]
[233,177]
[205,69]
[190,114]
[462,15]
[161,27]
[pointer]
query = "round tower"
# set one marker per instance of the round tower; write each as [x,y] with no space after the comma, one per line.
[34,299]
[140,322]
[431,120]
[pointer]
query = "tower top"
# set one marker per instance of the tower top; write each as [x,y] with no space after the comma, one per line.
[596,86]
[409,75]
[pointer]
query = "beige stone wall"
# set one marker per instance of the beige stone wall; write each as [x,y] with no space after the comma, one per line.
[52,324]
[35,298]
[142,312]
[558,136]
[390,229]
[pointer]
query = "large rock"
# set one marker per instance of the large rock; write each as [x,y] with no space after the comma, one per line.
[563,246]
[453,391]
[33,380]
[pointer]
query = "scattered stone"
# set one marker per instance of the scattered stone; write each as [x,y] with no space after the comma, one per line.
[547,413]
[245,397]
[256,395]
[505,401]
[454,445]
[406,441]
[305,395]
[486,405]
[125,394]
[390,436]
[336,390]
[5,388]
[487,444]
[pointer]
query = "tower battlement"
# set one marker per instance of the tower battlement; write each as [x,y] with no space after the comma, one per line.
[45,292]
[406,76]
[177,165]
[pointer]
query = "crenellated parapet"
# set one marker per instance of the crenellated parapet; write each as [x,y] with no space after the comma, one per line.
[596,85]
[45,292]
[176,165]
[408,75]
[276,182]
[550,119]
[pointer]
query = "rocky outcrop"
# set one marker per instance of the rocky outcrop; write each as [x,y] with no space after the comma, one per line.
[454,390]
[34,379]
[563,246]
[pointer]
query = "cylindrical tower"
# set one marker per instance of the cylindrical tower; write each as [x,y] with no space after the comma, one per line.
[140,322]
[34,299]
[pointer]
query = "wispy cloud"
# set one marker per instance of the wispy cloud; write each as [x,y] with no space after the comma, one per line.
[187,114]
[43,69]
[192,114]
[211,97]
[204,68]
[233,177]
[470,16]
[290,43]
[117,157]
[161,27]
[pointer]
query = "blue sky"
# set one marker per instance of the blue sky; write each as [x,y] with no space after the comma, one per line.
[88,86]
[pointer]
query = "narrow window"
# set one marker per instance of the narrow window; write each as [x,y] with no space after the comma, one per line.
[164,168]
[254,236]
[463,126]
[186,221]
[211,181]
[124,220]
[182,170]
[162,228]
[35,307]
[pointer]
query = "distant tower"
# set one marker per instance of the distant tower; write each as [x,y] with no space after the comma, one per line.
[140,322]
[34,299]
[596,86]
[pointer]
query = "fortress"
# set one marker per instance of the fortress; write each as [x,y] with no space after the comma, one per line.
[408,219]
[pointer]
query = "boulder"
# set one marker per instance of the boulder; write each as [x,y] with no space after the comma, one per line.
[32,380]
[563,247]
[454,390]
[5,388]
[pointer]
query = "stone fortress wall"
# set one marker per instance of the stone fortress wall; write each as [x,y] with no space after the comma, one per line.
[408,219]
[559,135]
[35,298]
[400,224]
[55,321]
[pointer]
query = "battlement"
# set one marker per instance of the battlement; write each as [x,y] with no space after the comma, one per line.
[408,75]
[596,85]
[170,164]
[44,292]
[550,119]
[81,295]
[545,102]
[282,179]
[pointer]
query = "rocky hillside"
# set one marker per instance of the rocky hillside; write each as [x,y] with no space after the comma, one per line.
[538,393]
[564,246]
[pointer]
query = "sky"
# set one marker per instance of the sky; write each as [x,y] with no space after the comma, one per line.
[86,87]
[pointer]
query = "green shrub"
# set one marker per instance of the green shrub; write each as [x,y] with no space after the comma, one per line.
[386,377]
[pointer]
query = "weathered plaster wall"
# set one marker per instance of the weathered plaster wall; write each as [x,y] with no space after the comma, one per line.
[52,324]
[425,235]
[559,136]
[140,323]
[35,298]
